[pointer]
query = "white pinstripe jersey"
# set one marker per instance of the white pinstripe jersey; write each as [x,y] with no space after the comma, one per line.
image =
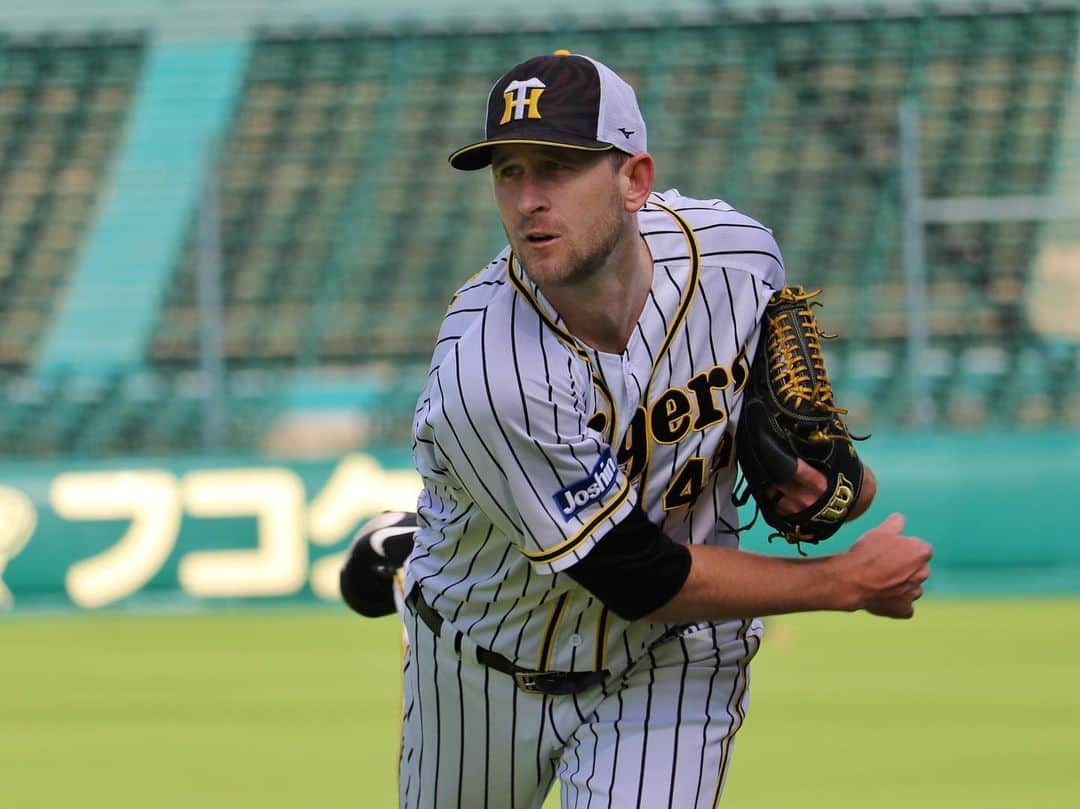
[532,445]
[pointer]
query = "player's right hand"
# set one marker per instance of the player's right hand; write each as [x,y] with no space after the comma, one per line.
[886,569]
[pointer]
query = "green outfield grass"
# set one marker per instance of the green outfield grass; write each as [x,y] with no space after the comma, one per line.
[974,704]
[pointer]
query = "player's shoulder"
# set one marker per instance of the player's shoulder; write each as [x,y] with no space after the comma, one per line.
[484,286]
[490,326]
[724,236]
[471,301]
[703,212]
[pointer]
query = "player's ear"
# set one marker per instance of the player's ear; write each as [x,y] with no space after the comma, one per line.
[636,177]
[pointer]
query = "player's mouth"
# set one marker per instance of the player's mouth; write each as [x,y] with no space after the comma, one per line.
[540,239]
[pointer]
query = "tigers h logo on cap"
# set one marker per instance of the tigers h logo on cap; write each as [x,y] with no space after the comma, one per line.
[564,99]
[519,96]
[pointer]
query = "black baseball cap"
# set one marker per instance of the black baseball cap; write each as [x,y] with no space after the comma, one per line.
[565,99]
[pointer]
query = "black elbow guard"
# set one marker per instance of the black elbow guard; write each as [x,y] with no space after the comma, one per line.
[635,568]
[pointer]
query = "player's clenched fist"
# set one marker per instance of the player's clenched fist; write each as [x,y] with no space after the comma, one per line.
[885,570]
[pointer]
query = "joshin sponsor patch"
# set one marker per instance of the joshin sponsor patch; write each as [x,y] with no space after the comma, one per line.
[589,490]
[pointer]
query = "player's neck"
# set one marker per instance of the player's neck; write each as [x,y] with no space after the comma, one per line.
[603,309]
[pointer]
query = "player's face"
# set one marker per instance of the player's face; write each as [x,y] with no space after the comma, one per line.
[562,209]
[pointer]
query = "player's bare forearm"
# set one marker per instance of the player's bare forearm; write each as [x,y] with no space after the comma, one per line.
[882,573]
[729,583]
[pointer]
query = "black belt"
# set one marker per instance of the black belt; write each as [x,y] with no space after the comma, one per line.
[527,680]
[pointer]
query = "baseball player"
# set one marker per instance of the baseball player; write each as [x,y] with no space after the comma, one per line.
[576,603]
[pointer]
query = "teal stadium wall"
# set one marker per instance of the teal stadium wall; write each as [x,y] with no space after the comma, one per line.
[183,533]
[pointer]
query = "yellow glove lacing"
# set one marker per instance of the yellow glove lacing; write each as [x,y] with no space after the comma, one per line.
[792,379]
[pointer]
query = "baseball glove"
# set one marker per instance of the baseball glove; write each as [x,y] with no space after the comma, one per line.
[788,413]
[377,552]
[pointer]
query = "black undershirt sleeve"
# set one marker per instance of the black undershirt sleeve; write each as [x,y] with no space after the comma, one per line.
[634,568]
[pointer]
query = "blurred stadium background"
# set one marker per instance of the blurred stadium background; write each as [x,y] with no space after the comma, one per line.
[227,235]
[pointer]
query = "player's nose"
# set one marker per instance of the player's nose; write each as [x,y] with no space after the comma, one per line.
[531,195]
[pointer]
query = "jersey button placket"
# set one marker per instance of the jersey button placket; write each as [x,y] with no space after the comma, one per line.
[628,375]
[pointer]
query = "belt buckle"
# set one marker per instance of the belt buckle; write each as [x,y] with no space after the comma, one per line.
[557,683]
[528,682]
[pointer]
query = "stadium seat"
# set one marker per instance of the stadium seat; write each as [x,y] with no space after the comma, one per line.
[62,107]
[344,232]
